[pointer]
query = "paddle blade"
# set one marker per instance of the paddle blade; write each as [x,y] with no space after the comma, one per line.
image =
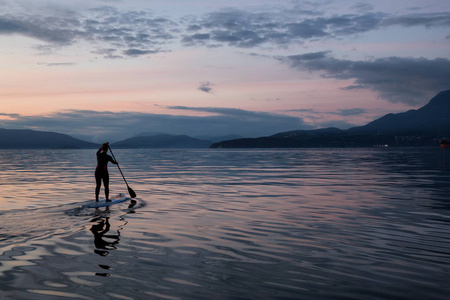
[132,193]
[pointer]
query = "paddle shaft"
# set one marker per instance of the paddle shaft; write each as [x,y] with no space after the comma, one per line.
[132,193]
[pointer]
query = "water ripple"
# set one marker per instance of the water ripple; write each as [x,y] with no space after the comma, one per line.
[235,224]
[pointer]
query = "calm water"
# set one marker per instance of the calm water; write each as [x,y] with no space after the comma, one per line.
[224,224]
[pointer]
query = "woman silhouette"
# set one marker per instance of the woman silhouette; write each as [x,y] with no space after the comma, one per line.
[101,172]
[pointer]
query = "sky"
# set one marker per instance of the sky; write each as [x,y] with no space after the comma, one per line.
[106,70]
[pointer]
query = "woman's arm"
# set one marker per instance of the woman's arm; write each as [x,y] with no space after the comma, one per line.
[112,160]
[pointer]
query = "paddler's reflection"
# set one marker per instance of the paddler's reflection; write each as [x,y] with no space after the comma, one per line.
[102,241]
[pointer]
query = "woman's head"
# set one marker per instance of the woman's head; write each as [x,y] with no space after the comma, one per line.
[105,147]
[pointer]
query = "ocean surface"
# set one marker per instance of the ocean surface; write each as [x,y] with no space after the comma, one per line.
[227,224]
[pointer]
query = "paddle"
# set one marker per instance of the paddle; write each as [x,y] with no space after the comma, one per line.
[132,193]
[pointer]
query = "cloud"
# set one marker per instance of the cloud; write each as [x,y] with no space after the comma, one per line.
[235,112]
[4,116]
[340,112]
[363,7]
[308,110]
[288,26]
[129,31]
[57,64]
[133,32]
[317,117]
[349,112]
[109,53]
[137,52]
[412,81]
[100,126]
[246,29]
[423,19]
[206,87]
[50,30]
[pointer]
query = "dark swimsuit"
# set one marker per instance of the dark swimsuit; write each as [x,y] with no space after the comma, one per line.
[101,172]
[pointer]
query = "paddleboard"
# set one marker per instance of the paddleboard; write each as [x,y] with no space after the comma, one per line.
[102,203]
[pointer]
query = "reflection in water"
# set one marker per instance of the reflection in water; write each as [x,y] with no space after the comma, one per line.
[102,241]
[253,224]
[132,204]
[105,267]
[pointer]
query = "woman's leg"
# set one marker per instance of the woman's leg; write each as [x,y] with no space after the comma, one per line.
[106,185]
[98,183]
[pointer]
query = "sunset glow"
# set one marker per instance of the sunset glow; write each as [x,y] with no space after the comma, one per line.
[326,63]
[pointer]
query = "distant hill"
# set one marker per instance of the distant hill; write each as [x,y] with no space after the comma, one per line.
[415,128]
[211,139]
[433,118]
[31,139]
[215,139]
[162,141]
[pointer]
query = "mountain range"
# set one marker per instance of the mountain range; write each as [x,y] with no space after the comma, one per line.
[31,139]
[162,141]
[415,128]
